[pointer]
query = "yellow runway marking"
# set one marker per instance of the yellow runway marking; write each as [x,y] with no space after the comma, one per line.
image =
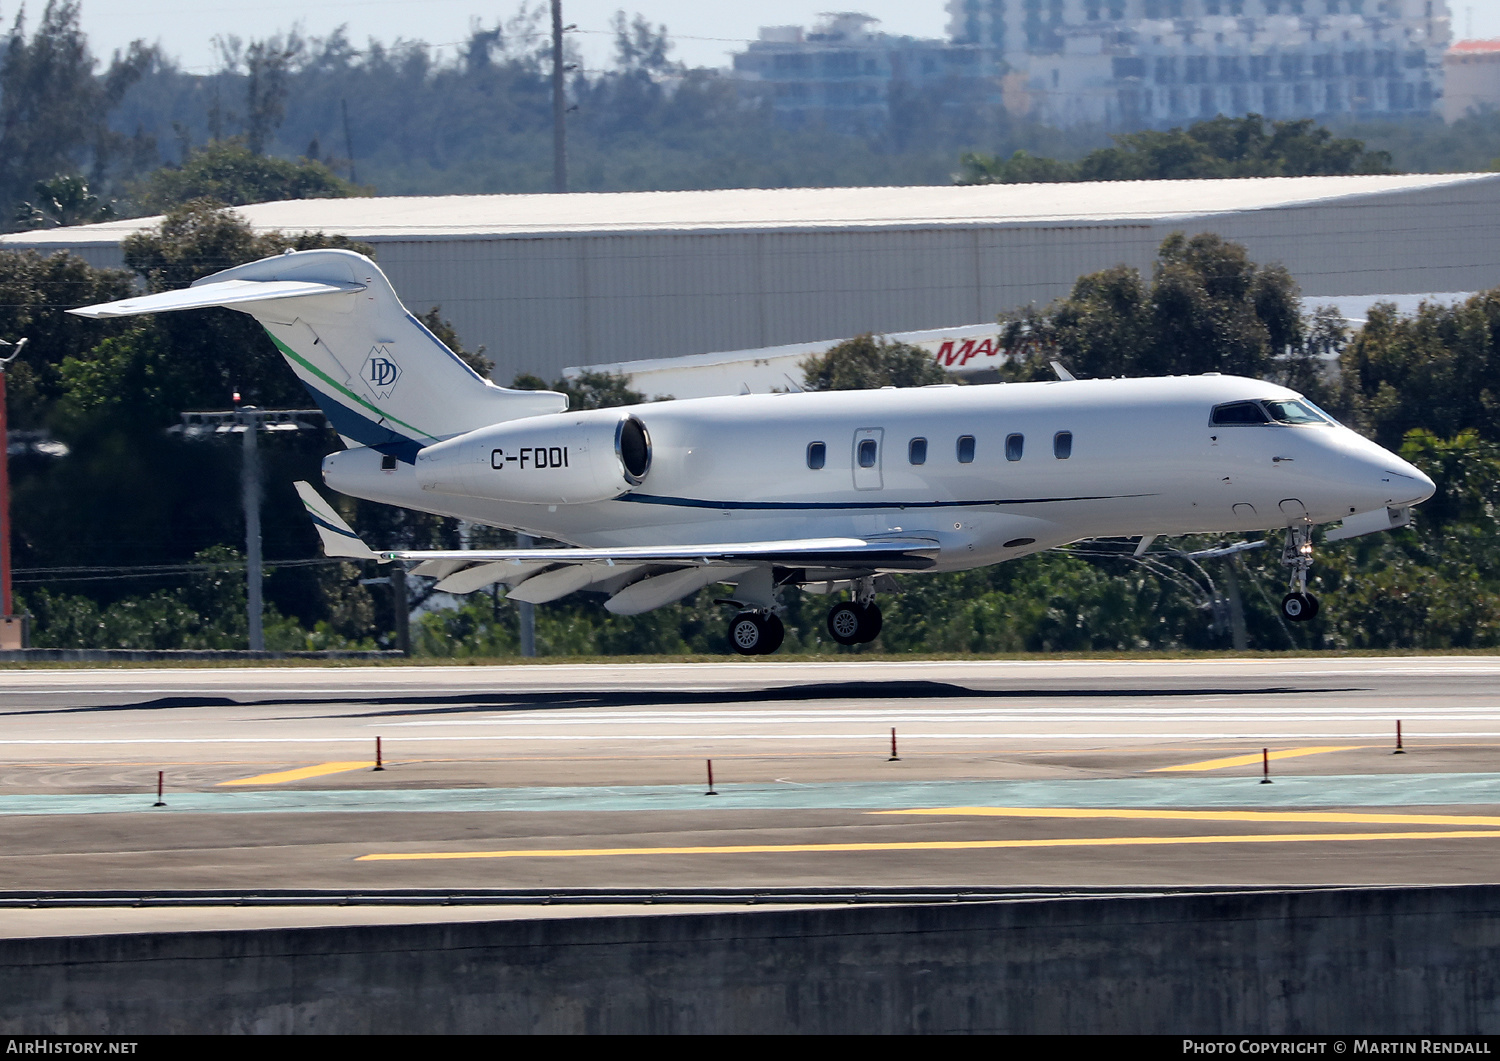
[1251,760]
[297,775]
[933,845]
[1326,817]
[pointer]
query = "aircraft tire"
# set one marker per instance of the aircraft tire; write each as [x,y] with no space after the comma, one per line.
[749,633]
[1299,607]
[873,622]
[775,634]
[845,623]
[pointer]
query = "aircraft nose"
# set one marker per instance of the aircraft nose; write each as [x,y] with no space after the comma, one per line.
[1404,483]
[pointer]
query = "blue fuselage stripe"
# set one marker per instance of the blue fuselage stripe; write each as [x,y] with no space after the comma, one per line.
[783,506]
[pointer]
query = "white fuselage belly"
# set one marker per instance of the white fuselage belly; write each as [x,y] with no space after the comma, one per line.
[1145,459]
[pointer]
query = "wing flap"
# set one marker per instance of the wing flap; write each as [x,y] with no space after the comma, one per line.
[221,293]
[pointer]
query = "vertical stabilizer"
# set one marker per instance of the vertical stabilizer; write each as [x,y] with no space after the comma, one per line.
[379,375]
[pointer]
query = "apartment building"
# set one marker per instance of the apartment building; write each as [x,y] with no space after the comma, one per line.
[1134,63]
[845,73]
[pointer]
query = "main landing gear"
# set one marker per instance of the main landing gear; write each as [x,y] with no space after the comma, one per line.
[1298,606]
[856,622]
[756,633]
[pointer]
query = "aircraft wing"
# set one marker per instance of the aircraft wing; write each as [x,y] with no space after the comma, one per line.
[670,568]
[907,554]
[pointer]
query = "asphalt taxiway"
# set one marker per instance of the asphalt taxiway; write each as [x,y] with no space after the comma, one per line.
[1103,773]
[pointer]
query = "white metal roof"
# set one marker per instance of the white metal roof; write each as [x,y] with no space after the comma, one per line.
[479,216]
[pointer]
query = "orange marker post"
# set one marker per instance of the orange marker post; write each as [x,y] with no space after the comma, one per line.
[710,791]
[159,778]
[1265,766]
[1399,750]
[894,757]
[379,763]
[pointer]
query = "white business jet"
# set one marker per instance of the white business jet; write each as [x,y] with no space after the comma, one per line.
[833,492]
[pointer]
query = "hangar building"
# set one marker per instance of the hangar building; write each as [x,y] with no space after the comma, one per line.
[548,281]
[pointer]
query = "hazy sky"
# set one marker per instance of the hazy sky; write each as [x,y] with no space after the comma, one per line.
[704,32]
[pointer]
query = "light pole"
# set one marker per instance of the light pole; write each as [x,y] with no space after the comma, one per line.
[13,632]
[559,104]
[249,422]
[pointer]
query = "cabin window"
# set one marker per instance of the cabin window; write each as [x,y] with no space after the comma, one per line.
[867,451]
[966,449]
[1062,445]
[817,455]
[1014,444]
[1239,413]
[916,451]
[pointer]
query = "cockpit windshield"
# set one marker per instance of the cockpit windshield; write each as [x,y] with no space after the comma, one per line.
[1271,411]
[1293,412]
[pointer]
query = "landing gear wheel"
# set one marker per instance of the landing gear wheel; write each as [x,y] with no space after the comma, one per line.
[854,624]
[753,634]
[775,634]
[1299,607]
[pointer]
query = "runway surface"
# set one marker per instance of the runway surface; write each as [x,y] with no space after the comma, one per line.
[1103,773]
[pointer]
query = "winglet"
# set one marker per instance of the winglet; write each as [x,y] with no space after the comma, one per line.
[338,537]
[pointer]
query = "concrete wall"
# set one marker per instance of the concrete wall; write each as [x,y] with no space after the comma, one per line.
[1416,960]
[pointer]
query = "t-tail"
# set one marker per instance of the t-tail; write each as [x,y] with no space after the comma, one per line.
[379,375]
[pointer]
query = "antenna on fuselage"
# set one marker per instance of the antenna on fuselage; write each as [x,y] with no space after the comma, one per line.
[1062,373]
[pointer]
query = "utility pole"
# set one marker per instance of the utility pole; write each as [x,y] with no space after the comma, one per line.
[526,611]
[400,603]
[250,422]
[250,485]
[13,632]
[559,105]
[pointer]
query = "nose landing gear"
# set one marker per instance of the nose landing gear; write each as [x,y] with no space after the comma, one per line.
[859,621]
[1298,606]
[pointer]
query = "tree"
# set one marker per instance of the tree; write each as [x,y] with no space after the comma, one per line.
[868,362]
[443,328]
[34,290]
[54,110]
[230,174]
[591,390]
[63,201]
[1207,308]
[1437,369]
[1221,147]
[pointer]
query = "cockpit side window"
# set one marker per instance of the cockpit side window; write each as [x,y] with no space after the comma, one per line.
[1240,413]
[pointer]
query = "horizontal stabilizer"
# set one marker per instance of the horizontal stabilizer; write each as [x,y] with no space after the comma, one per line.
[221,293]
[339,539]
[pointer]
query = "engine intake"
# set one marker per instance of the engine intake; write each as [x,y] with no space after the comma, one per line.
[570,458]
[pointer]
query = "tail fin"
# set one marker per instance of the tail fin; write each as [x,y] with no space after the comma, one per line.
[382,378]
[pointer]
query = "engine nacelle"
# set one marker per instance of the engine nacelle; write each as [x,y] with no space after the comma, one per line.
[569,458]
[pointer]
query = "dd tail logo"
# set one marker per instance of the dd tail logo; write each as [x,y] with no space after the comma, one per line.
[380,372]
